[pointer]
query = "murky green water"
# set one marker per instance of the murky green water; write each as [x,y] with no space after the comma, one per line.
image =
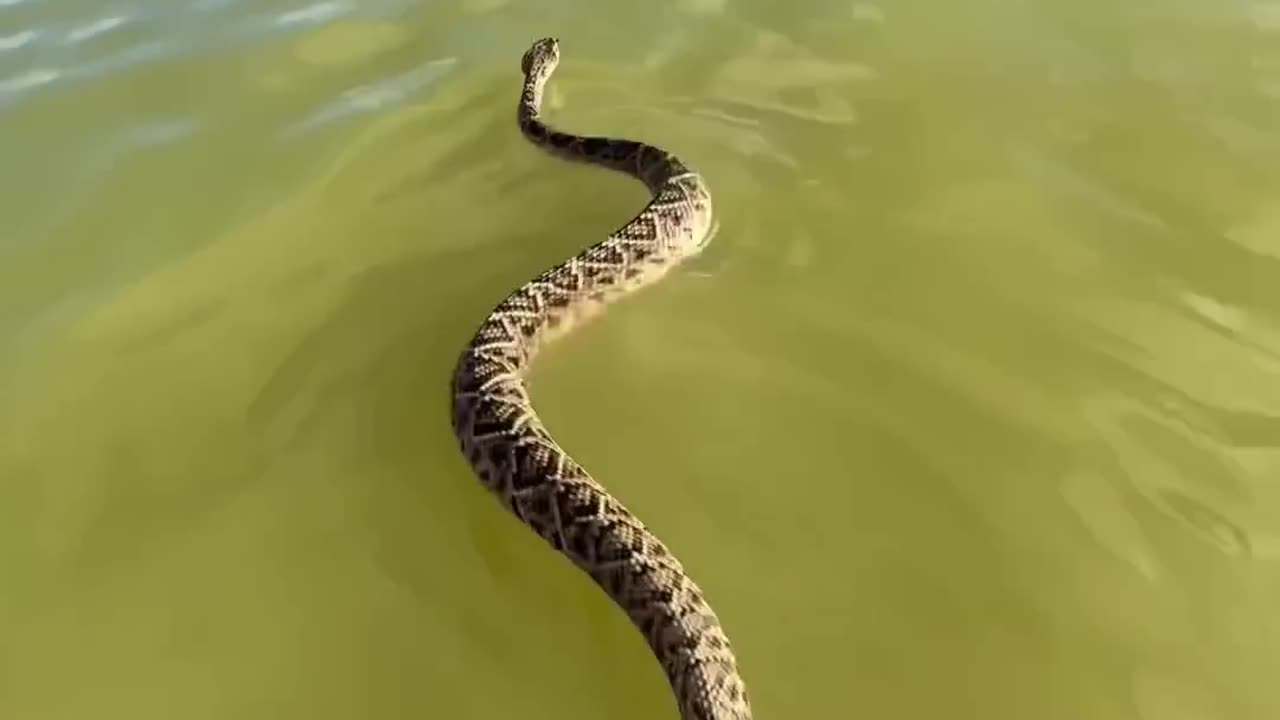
[971,410]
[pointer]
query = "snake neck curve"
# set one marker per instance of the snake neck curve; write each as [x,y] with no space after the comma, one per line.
[650,165]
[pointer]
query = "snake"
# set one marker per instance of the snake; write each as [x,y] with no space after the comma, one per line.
[515,457]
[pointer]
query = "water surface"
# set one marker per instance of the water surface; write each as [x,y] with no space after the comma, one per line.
[971,410]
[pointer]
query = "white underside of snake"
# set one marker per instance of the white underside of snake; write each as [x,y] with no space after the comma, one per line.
[516,458]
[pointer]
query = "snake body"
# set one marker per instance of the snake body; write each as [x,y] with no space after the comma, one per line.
[516,458]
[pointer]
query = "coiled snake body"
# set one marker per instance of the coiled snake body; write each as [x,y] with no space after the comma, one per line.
[516,458]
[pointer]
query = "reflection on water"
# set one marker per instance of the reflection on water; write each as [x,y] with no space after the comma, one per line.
[976,387]
[18,39]
[80,33]
[385,93]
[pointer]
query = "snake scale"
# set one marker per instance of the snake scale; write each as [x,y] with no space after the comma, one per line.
[516,458]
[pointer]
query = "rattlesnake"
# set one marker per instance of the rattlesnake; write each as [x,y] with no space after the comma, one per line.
[516,458]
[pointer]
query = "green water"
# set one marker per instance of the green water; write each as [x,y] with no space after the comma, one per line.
[971,409]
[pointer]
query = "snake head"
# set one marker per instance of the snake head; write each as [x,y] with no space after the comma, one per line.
[541,59]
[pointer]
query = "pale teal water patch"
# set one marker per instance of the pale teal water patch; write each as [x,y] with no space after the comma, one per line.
[969,411]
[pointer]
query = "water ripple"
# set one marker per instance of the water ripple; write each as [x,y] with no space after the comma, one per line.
[209,5]
[93,29]
[18,39]
[130,57]
[306,17]
[160,132]
[27,80]
[14,87]
[316,12]
[190,36]
[366,98]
